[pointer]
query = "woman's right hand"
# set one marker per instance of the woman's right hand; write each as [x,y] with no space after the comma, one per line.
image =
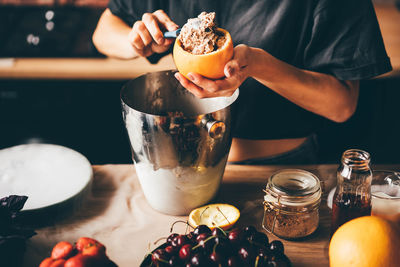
[146,36]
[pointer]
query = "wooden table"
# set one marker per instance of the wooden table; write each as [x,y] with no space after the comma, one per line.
[118,215]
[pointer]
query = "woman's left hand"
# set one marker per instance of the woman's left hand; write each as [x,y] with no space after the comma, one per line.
[236,71]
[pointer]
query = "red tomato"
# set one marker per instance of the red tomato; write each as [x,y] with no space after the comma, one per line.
[58,263]
[62,250]
[85,242]
[79,260]
[46,262]
[94,251]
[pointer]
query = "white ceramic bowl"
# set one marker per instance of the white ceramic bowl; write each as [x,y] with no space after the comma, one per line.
[48,174]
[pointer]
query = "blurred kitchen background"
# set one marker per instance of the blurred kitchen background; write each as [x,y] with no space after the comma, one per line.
[56,88]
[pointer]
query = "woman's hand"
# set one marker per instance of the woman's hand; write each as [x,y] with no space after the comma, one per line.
[236,71]
[146,36]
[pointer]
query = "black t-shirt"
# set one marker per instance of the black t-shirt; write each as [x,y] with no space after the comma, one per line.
[339,37]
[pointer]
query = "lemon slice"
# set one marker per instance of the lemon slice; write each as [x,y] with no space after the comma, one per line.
[214,215]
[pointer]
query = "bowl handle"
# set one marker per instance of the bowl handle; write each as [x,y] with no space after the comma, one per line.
[215,128]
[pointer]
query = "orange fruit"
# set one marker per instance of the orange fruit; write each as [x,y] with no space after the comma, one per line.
[214,215]
[209,65]
[367,241]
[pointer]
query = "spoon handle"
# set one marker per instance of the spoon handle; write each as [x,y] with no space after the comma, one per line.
[172,34]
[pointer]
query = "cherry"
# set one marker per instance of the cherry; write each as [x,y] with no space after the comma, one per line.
[215,257]
[201,229]
[201,237]
[170,249]
[235,236]
[205,241]
[179,241]
[276,247]
[191,237]
[159,256]
[264,252]
[271,263]
[171,237]
[185,252]
[218,232]
[246,253]
[259,238]
[174,261]
[282,260]
[249,231]
[198,260]
[262,262]
[233,261]
[222,246]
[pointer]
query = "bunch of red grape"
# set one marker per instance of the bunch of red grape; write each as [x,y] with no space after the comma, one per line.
[205,247]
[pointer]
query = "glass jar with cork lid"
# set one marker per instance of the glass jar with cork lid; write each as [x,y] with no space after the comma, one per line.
[291,204]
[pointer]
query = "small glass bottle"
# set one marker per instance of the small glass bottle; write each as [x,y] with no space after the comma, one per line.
[352,197]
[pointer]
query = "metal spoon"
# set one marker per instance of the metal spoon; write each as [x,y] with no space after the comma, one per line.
[194,23]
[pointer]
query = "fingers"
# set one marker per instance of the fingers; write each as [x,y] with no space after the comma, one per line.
[191,87]
[146,36]
[151,23]
[165,20]
[202,87]
[231,68]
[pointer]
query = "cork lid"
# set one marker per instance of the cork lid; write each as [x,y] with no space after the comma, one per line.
[293,187]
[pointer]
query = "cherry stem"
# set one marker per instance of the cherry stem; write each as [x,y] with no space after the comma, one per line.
[222,230]
[256,262]
[215,246]
[201,215]
[205,240]
[158,240]
[162,260]
[172,226]
[223,215]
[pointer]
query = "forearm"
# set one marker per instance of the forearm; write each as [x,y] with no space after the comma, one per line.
[111,37]
[316,92]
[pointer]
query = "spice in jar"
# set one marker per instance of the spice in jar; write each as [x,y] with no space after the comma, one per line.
[291,204]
